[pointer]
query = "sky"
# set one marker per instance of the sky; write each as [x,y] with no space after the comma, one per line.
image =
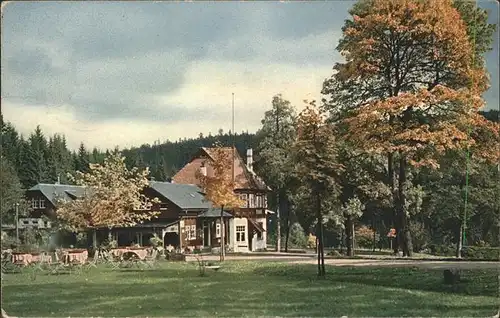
[129,73]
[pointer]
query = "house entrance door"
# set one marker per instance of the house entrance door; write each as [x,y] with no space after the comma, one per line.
[206,233]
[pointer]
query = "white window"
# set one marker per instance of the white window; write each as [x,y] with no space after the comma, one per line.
[34,203]
[217,230]
[191,232]
[265,202]
[42,203]
[244,197]
[251,201]
[240,233]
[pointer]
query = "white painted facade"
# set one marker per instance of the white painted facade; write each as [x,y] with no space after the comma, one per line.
[239,236]
[260,243]
[238,242]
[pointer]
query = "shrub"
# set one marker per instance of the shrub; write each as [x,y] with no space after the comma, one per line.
[311,241]
[156,241]
[364,237]
[442,250]
[419,236]
[479,252]
[8,241]
[297,238]
[81,240]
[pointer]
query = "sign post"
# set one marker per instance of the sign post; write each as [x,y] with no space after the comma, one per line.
[391,235]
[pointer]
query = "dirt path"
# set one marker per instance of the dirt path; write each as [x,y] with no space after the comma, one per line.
[359,262]
[403,263]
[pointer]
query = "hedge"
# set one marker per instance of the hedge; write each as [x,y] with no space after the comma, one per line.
[468,252]
[481,253]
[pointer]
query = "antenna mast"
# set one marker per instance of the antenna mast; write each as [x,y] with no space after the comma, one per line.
[232,137]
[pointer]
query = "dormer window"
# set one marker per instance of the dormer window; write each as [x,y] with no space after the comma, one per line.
[203,169]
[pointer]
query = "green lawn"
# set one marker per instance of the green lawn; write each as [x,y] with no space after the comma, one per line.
[250,289]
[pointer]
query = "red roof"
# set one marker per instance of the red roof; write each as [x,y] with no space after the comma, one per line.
[244,178]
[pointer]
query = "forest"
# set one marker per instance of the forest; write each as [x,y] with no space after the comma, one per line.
[399,141]
[37,158]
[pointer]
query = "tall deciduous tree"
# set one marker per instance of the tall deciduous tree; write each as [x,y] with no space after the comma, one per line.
[421,88]
[219,186]
[112,197]
[316,165]
[277,135]
[351,210]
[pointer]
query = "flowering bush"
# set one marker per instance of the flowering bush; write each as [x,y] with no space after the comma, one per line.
[364,237]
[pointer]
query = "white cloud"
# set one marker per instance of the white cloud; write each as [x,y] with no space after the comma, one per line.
[103,83]
[95,134]
[209,86]
[207,90]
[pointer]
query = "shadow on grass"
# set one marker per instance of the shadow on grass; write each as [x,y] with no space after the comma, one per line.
[473,282]
[251,289]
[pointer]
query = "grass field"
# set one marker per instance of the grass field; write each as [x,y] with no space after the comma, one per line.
[250,289]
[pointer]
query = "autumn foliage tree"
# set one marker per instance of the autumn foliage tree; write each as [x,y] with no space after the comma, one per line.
[112,197]
[415,89]
[316,165]
[219,186]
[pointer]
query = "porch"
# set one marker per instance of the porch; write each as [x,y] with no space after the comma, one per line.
[209,228]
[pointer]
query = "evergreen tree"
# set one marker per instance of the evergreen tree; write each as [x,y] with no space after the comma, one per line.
[39,155]
[10,142]
[82,159]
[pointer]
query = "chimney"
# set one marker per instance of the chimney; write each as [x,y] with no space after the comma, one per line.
[250,159]
[203,169]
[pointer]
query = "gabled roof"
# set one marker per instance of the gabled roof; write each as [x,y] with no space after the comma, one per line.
[244,178]
[185,196]
[214,213]
[63,191]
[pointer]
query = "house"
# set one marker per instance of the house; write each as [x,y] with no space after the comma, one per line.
[186,219]
[247,228]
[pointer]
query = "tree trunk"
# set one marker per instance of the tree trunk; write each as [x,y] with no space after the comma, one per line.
[353,240]
[374,233]
[459,242]
[321,249]
[392,184]
[287,234]
[278,224]
[94,239]
[222,235]
[317,249]
[349,235]
[342,242]
[405,237]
